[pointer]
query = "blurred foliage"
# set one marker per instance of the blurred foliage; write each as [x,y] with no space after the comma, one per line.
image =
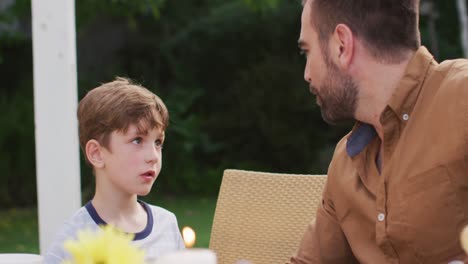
[17,162]
[89,10]
[262,5]
[229,72]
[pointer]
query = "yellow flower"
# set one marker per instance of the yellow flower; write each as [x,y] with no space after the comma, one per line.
[106,246]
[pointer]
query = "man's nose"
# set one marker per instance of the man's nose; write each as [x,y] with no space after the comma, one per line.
[307,73]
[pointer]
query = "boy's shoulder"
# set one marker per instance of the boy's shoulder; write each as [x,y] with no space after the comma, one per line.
[158,209]
[81,219]
[78,221]
[160,213]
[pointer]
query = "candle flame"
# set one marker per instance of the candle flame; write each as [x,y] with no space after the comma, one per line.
[189,236]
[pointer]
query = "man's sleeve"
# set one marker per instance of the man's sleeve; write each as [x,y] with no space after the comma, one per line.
[324,241]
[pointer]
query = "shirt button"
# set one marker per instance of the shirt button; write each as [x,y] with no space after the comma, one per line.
[381,217]
[405,117]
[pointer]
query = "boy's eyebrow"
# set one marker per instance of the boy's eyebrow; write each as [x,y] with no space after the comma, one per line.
[138,132]
[145,133]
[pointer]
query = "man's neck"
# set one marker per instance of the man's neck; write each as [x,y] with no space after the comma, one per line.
[378,82]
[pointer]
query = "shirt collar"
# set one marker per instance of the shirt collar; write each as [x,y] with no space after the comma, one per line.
[405,95]
[361,136]
[401,102]
[137,236]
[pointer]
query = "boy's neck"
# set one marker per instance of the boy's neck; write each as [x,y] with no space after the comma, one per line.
[124,212]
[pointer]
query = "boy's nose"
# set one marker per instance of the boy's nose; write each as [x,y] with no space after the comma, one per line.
[152,155]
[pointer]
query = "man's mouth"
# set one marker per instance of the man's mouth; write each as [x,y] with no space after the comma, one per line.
[313,90]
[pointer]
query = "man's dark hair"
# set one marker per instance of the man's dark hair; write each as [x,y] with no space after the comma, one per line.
[388,28]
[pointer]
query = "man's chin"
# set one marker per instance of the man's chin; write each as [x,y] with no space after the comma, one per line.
[328,120]
[333,120]
[318,101]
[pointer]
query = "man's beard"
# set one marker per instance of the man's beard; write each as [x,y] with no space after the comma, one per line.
[338,95]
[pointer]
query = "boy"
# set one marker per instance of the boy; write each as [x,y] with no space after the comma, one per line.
[121,128]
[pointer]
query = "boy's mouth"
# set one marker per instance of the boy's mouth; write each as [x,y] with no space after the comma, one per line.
[149,174]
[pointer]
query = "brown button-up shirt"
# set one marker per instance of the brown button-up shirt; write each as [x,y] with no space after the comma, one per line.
[414,209]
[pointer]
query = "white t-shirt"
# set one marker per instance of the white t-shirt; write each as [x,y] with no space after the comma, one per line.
[160,236]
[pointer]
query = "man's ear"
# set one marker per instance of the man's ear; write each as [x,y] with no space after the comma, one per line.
[342,50]
[94,153]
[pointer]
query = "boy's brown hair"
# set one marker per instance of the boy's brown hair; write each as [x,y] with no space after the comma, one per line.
[116,105]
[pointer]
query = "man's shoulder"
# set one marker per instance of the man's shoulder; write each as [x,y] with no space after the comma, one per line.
[453,65]
[340,156]
[340,149]
[447,83]
[453,72]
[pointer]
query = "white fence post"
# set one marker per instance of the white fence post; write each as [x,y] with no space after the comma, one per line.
[463,18]
[56,127]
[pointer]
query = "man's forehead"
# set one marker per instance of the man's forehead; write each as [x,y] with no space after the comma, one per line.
[304,2]
[306,25]
[306,10]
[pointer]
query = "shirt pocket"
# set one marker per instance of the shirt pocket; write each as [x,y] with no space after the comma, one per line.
[432,215]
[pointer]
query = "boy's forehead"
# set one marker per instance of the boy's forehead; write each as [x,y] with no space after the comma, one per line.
[142,128]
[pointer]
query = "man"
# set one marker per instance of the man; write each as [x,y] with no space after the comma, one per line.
[397,189]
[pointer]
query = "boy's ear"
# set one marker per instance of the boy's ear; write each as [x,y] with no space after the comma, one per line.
[94,154]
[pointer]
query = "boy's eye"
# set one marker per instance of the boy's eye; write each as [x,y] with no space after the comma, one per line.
[158,143]
[137,141]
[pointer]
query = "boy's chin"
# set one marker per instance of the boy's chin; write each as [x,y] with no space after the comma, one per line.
[143,193]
